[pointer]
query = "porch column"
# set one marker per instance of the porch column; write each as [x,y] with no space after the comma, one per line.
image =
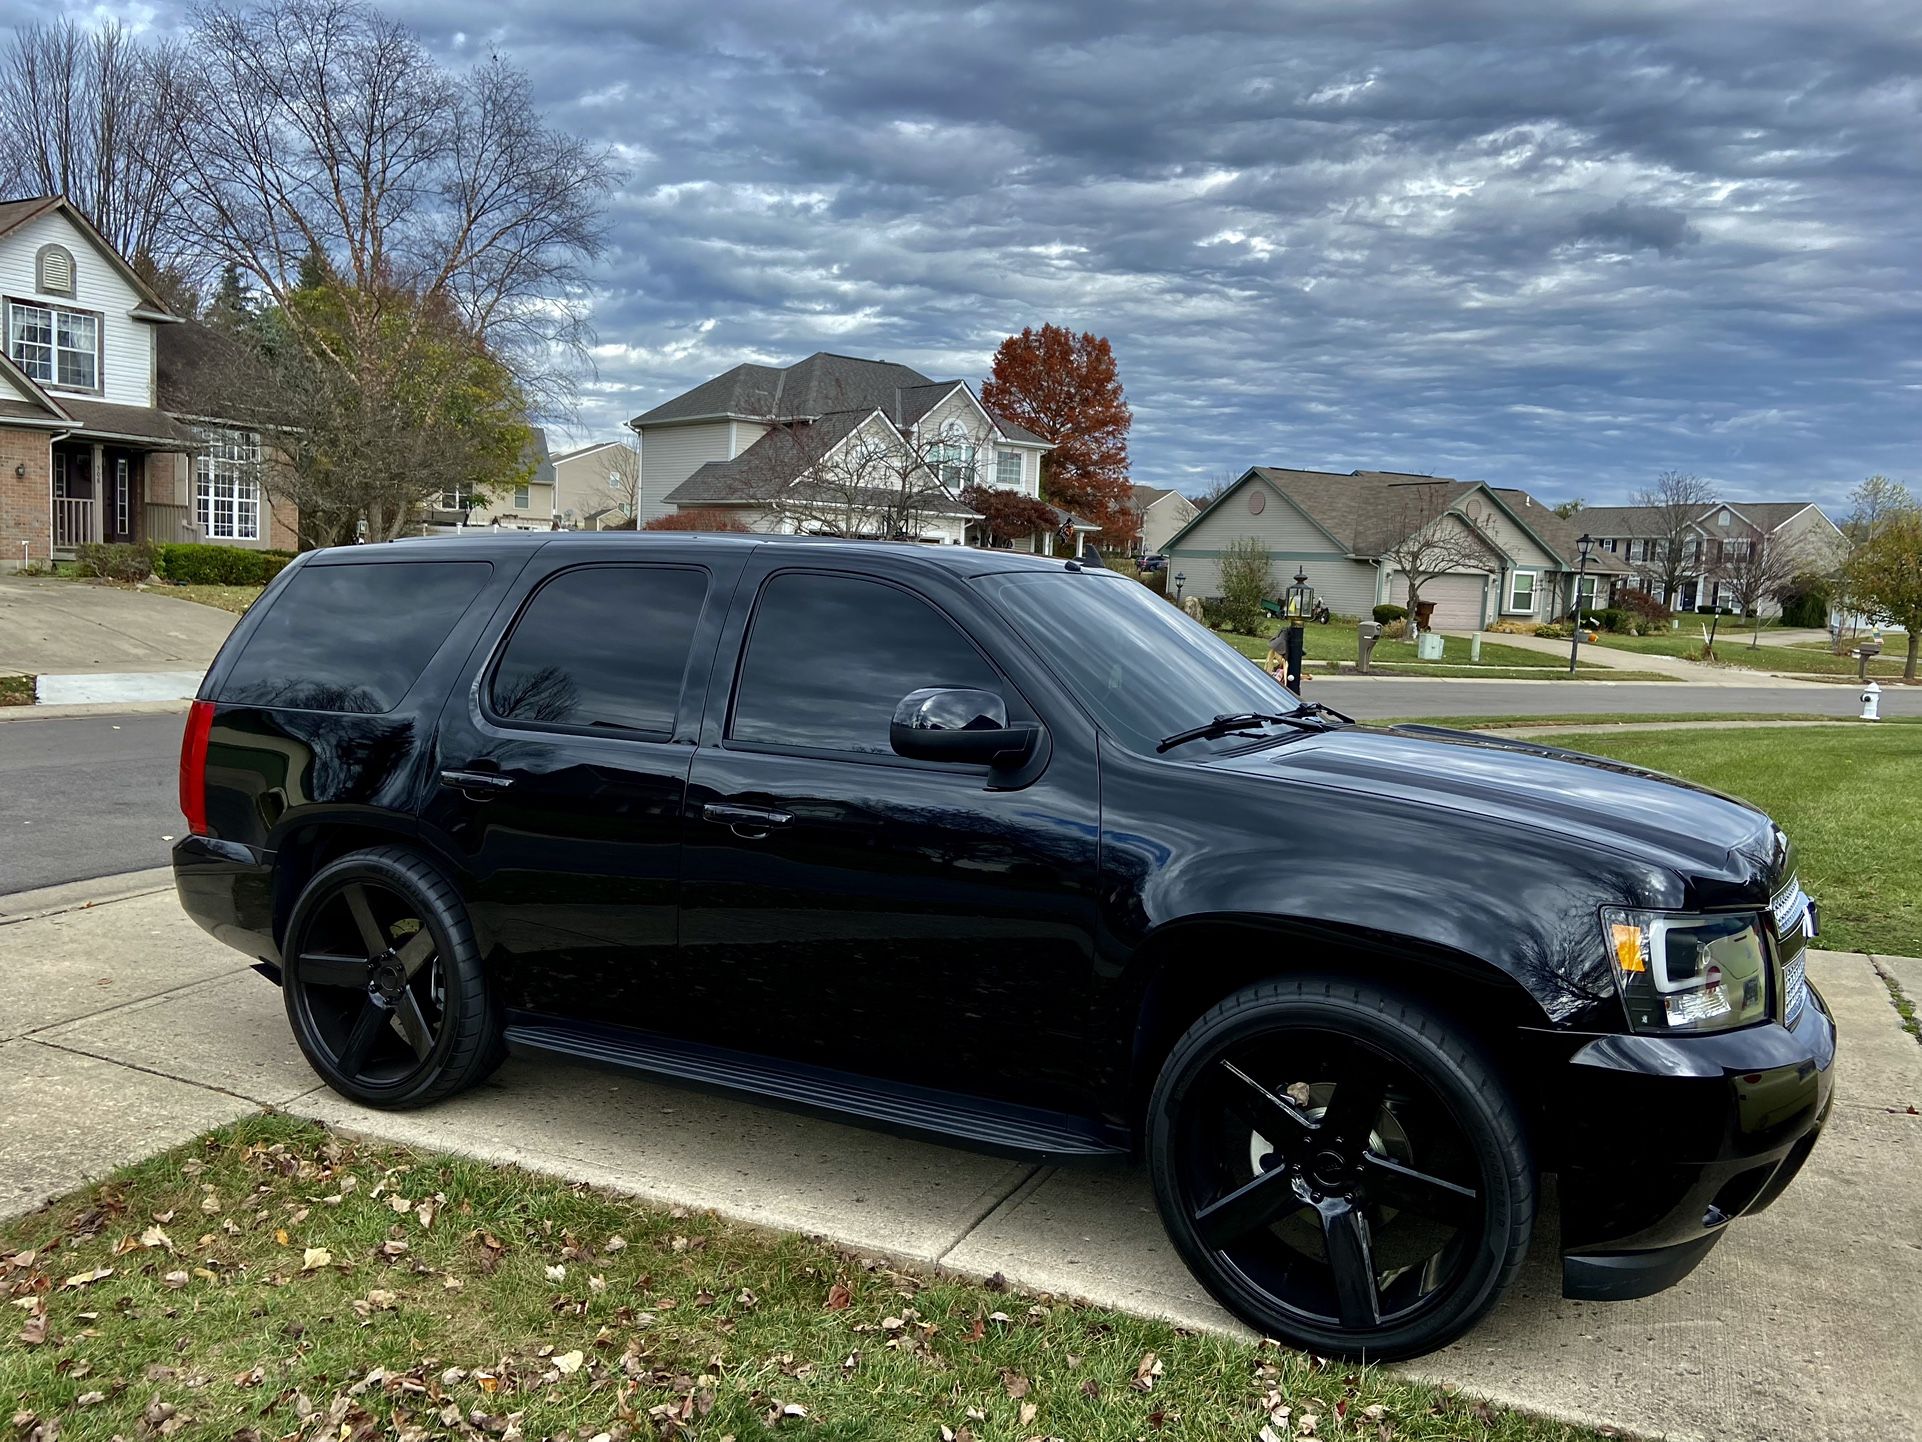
[99,492]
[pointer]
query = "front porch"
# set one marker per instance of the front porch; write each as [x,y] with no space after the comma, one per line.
[100,492]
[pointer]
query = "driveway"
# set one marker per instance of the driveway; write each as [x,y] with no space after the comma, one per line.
[50,627]
[123,1030]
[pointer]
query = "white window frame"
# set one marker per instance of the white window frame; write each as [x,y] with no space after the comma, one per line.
[121,488]
[42,359]
[458,500]
[1534,586]
[227,484]
[1586,589]
[1003,460]
[523,497]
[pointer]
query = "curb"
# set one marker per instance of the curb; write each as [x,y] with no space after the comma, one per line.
[79,895]
[93,708]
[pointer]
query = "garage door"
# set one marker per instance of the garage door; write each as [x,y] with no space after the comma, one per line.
[1458,600]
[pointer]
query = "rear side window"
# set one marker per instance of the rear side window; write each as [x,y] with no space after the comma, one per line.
[830,657]
[604,646]
[353,638]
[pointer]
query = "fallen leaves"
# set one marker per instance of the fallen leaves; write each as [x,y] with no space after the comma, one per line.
[1147,1372]
[314,1258]
[86,1279]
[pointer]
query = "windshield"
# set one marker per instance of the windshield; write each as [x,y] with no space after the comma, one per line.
[1143,668]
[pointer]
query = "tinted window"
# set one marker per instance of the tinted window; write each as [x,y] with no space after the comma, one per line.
[1142,667]
[830,658]
[353,638]
[606,646]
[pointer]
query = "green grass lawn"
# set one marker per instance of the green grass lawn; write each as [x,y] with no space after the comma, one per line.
[1325,644]
[1732,649]
[1608,718]
[272,1279]
[228,598]
[16,690]
[1846,796]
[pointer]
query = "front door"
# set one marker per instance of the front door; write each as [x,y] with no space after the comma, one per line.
[850,908]
[561,771]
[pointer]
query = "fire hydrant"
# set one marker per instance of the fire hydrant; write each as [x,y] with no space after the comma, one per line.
[1871,699]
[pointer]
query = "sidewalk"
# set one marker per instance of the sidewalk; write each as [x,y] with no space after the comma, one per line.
[124,1029]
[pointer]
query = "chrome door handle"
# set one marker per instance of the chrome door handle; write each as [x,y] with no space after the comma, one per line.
[476,785]
[751,822]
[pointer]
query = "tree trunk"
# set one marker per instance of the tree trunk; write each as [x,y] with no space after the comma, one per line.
[1915,647]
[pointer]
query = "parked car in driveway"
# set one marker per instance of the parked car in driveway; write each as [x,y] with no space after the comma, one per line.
[893,832]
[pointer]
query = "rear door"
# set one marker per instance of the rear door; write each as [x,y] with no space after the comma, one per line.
[851,908]
[562,769]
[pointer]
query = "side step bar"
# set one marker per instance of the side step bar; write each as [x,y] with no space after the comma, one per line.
[894,1106]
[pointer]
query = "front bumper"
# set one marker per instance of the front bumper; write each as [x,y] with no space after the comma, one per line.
[1670,1139]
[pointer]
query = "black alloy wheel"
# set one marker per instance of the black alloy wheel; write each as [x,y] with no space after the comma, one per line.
[383,982]
[1340,1170]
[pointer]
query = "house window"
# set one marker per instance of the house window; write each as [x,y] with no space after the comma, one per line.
[1521,592]
[1738,549]
[522,498]
[1586,587]
[951,457]
[1007,469]
[55,347]
[459,498]
[53,270]
[227,485]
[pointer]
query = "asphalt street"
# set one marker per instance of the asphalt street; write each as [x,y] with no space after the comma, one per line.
[87,796]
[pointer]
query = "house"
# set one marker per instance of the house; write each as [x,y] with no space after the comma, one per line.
[1514,558]
[837,444]
[529,506]
[594,485]
[1162,512]
[212,493]
[1722,532]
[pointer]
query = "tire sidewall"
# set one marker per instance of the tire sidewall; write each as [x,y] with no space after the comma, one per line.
[1358,1013]
[454,948]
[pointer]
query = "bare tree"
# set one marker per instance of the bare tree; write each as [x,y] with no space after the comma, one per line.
[1424,539]
[851,473]
[96,115]
[321,128]
[1756,567]
[1674,503]
[624,479]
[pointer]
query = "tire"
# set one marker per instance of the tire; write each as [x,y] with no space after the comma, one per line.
[384,1017]
[1375,1245]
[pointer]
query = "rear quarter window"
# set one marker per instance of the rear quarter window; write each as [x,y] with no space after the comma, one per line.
[352,638]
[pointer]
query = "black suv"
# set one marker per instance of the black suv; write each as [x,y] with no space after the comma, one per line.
[1009,851]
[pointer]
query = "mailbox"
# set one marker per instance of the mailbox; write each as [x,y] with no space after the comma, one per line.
[1366,634]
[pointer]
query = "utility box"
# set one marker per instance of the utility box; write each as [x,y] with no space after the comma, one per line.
[1366,635]
[1428,647]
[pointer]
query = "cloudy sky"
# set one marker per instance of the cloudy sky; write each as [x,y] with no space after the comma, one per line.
[1559,246]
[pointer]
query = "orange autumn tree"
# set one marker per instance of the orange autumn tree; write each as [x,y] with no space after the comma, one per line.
[1063,387]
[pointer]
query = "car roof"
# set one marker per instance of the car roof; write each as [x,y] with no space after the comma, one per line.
[964,560]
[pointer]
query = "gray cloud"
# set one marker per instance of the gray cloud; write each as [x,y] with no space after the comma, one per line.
[1560,247]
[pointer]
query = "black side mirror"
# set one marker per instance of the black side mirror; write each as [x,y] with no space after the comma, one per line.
[941,724]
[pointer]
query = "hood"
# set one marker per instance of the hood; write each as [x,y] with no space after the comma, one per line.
[1700,834]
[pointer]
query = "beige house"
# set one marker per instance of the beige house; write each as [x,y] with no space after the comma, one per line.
[1719,535]
[1163,512]
[595,485]
[1520,561]
[528,506]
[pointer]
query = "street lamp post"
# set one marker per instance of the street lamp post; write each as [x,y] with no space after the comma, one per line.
[1180,580]
[1297,603]
[1581,575]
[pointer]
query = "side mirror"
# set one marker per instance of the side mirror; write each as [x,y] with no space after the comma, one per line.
[939,724]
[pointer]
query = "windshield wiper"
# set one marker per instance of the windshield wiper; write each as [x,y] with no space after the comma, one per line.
[1315,708]
[1227,725]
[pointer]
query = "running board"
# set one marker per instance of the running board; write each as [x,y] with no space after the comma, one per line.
[895,1106]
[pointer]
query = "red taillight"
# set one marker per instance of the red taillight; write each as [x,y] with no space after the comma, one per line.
[193,766]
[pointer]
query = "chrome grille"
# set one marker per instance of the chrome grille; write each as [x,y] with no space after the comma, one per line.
[1789,904]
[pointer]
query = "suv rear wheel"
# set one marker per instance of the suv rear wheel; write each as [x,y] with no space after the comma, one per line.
[383,982]
[1340,1168]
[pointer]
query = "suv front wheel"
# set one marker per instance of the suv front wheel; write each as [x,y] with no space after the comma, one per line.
[1340,1168]
[383,982]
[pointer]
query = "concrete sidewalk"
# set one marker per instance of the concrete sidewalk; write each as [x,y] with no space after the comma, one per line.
[124,1029]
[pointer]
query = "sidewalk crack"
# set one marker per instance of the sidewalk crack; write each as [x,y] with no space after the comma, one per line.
[1027,1182]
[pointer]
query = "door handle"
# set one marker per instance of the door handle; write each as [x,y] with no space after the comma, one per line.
[748,822]
[476,785]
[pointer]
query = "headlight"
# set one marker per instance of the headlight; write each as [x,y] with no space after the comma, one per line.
[1681,972]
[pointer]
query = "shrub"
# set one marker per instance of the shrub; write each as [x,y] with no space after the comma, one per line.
[1509,626]
[1616,619]
[1385,614]
[114,561]
[1247,579]
[197,563]
[1806,600]
[698,519]
[1156,581]
[1394,630]
[1643,605]
[1555,631]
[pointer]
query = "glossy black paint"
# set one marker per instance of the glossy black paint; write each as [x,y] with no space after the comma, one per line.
[1032,940]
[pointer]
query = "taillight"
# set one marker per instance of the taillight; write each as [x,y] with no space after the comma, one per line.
[193,766]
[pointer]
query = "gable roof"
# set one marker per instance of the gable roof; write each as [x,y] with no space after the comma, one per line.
[823,384]
[1146,496]
[1630,522]
[588,449]
[16,213]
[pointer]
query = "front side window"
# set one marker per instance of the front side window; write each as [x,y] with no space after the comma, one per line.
[951,458]
[830,657]
[55,347]
[603,647]
[1521,592]
[1588,585]
[456,499]
[1142,669]
[1007,469]
[522,498]
[227,485]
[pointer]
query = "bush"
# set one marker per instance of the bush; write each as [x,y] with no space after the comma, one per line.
[1555,631]
[1247,579]
[113,561]
[1385,614]
[1617,619]
[1156,581]
[196,563]
[698,519]
[1393,630]
[1805,601]
[1643,605]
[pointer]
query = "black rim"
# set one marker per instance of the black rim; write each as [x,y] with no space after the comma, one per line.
[1329,1178]
[370,980]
